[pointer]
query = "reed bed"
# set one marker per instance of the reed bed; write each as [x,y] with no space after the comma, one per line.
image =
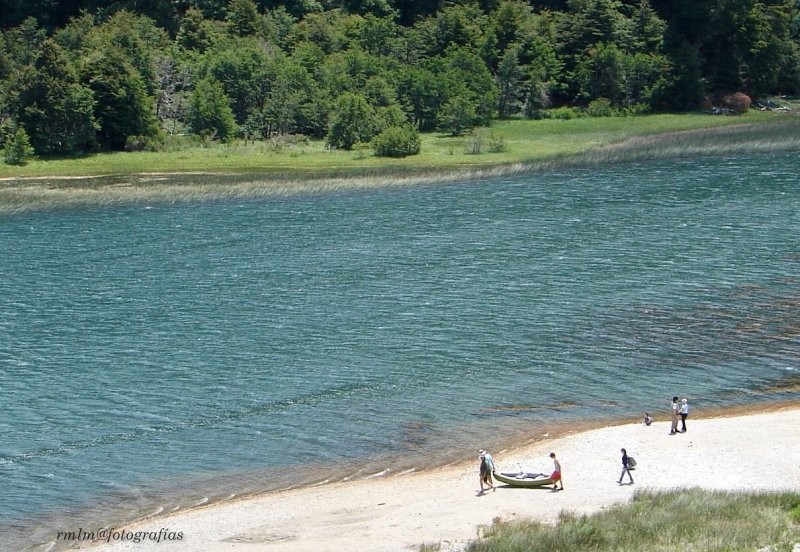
[686,520]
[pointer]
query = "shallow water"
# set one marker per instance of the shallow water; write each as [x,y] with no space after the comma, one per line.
[155,357]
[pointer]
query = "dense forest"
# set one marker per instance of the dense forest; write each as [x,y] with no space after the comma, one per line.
[88,75]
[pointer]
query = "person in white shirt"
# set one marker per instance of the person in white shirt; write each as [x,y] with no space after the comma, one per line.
[556,475]
[684,412]
[485,470]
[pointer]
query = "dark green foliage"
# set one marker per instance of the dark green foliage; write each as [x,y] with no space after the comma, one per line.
[417,90]
[195,32]
[22,43]
[243,17]
[454,25]
[510,80]
[397,141]
[122,105]
[601,74]
[467,79]
[17,148]
[379,8]
[241,70]
[49,12]
[284,66]
[601,107]
[457,115]
[144,143]
[139,40]
[411,11]
[210,113]
[353,121]
[55,110]
[647,34]
[688,88]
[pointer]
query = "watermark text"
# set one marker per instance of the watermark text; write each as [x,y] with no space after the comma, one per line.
[120,535]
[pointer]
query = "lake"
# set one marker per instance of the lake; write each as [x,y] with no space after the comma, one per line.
[155,357]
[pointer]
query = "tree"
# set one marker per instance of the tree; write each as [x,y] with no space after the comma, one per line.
[137,37]
[328,30]
[647,29]
[411,11]
[380,36]
[688,88]
[171,105]
[17,148]
[22,43]
[457,115]
[510,81]
[56,111]
[648,78]
[466,75]
[542,66]
[242,70]
[353,121]
[766,46]
[601,74]
[378,8]
[194,32]
[210,112]
[454,25]
[287,89]
[122,106]
[509,23]
[419,95]
[594,21]
[315,113]
[242,16]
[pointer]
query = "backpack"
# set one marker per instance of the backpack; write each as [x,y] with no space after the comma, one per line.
[631,462]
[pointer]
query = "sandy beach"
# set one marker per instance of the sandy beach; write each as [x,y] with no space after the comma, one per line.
[754,451]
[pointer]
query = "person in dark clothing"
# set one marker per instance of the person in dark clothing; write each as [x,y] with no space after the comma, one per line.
[626,468]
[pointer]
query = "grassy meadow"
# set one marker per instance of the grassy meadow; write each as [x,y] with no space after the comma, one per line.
[686,520]
[188,171]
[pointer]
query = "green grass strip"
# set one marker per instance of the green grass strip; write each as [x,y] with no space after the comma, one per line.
[686,520]
[262,169]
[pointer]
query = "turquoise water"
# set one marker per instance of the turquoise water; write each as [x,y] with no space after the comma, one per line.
[154,357]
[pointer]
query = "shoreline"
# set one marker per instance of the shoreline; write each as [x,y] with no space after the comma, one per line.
[25,193]
[394,511]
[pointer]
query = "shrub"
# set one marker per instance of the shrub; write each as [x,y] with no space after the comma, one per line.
[145,143]
[18,148]
[474,143]
[397,141]
[480,138]
[637,109]
[353,120]
[565,113]
[739,103]
[601,107]
[497,144]
[361,150]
